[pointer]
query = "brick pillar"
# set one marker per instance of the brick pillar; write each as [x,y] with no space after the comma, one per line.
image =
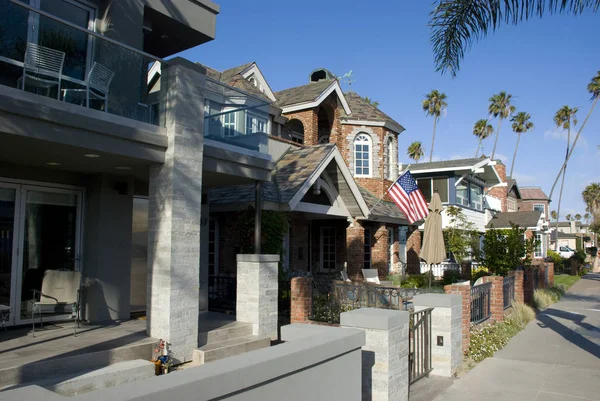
[355,251]
[550,267]
[380,252]
[413,250]
[385,353]
[496,297]
[301,302]
[528,285]
[519,290]
[464,290]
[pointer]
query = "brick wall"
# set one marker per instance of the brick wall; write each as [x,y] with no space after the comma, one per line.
[309,120]
[500,192]
[550,267]
[527,206]
[380,250]
[355,237]
[413,250]
[299,242]
[465,292]
[301,299]
[519,285]
[496,297]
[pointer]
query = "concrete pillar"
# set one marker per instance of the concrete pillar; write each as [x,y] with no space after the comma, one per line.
[174,210]
[464,290]
[496,297]
[385,354]
[257,293]
[446,322]
[301,299]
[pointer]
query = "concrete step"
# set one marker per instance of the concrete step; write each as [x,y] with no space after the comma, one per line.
[228,331]
[235,346]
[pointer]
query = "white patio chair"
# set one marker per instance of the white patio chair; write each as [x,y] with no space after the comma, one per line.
[371,276]
[43,65]
[60,290]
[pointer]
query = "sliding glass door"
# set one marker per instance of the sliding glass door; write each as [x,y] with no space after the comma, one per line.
[8,249]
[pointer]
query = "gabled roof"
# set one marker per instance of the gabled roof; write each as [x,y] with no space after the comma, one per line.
[482,166]
[533,193]
[510,184]
[447,164]
[302,94]
[294,174]
[234,77]
[522,219]
[363,111]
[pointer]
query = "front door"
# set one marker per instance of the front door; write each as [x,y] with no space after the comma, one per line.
[39,231]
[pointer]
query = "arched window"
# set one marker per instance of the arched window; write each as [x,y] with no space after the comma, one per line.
[324,139]
[362,156]
[391,162]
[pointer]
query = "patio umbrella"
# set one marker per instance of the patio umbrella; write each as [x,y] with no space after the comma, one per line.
[433,249]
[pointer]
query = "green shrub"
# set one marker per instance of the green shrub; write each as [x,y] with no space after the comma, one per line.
[556,258]
[521,313]
[544,297]
[416,281]
[451,277]
[480,273]
[325,309]
[579,256]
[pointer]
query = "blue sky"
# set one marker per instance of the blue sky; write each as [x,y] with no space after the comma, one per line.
[545,63]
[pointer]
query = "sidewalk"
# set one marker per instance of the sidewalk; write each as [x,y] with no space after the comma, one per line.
[556,357]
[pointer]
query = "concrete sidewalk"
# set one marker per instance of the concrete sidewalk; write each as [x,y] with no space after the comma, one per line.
[556,357]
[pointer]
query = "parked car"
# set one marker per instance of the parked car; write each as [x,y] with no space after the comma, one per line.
[565,252]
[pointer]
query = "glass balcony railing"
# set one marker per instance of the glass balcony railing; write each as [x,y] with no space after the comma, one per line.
[235,117]
[61,59]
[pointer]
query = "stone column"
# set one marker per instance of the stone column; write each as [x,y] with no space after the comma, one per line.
[385,354]
[175,195]
[464,290]
[257,293]
[301,299]
[496,297]
[446,331]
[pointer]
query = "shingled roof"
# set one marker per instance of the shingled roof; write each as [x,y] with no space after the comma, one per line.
[232,77]
[363,110]
[302,94]
[533,193]
[383,208]
[458,163]
[522,219]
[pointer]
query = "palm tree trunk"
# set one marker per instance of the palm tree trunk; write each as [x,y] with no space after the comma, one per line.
[512,166]
[497,135]
[478,147]
[562,185]
[573,147]
[433,139]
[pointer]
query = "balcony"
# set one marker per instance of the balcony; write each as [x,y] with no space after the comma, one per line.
[62,59]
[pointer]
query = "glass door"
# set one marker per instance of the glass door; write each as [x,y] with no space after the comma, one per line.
[8,255]
[50,240]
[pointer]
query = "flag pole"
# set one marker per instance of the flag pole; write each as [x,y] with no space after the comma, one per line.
[388,190]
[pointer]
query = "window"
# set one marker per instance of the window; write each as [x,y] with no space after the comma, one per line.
[539,207]
[391,162]
[539,247]
[429,185]
[511,205]
[425,187]
[327,248]
[367,249]
[297,138]
[255,124]
[213,248]
[362,156]
[229,125]
[476,197]
[462,194]
[324,139]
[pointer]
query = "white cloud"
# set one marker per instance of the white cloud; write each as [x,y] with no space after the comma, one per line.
[562,135]
[524,179]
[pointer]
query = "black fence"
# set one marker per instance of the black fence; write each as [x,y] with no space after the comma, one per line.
[222,292]
[508,290]
[480,302]
[284,300]
[419,345]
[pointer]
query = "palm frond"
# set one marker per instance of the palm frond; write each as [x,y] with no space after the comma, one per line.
[457,24]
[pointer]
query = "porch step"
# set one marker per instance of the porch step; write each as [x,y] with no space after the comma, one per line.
[235,346]
[228,331]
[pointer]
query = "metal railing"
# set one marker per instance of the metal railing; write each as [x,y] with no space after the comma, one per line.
[419,348]
[480,302]
[222,291]
[284,299]
[508,290]
[128,93]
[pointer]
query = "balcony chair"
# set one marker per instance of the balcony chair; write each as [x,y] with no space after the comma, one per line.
[97,85]
[60,290]
[371,276]
[44,66]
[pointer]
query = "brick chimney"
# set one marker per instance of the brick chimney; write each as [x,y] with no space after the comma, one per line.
[500,192]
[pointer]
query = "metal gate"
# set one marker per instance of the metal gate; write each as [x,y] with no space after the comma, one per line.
[419,345]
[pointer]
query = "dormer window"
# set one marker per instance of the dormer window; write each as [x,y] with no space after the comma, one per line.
[253,81]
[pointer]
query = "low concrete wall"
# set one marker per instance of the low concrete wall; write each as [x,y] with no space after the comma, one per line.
[318,363]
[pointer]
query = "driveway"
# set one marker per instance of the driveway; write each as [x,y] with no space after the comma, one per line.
[556,357]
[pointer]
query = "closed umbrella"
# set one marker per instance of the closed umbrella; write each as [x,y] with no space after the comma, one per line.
[433,250]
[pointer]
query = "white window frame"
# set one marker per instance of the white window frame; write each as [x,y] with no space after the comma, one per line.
[252,123]
[511,205]
[358,140]
[474,204]
[391,163]
[539,254]
[542,205]
[322,243]
[228,126]
[466,201]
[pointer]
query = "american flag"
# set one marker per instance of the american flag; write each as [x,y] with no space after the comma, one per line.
[407,195]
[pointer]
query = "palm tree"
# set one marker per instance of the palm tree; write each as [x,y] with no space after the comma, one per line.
[415,151]
[591,197]
[482,129]
[594,90]
[457,24]
[554,215]
[568,217]
[521,124]
[501,108]
[586,217]
[372,102]
[563,118]
[578,217]
[434,104]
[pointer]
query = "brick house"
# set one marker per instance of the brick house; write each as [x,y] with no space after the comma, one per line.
[532,221]
[327,145]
